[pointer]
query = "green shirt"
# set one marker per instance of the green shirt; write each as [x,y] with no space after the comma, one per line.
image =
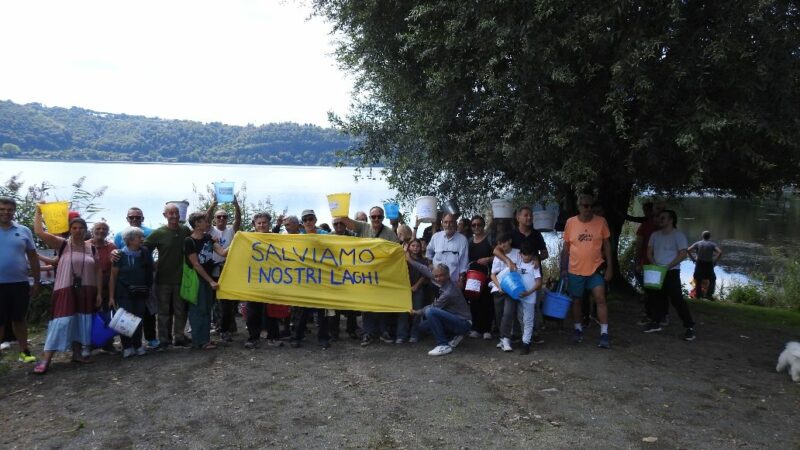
[169,244]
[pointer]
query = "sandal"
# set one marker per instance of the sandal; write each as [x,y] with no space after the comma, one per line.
[41,368]
[209,346]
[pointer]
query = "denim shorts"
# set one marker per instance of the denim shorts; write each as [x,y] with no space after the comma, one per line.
[578,284]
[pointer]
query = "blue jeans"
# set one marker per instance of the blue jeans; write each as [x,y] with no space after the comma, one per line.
[200,315]
[403,320]
[443,325]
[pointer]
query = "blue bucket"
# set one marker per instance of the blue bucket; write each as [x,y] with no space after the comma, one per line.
[556,304]
[512,285]
[224,191]
[392,210]
[101,333]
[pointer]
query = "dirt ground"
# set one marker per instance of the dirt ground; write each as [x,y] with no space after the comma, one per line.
[648,391]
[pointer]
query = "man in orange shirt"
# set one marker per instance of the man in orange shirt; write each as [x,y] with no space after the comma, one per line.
[587,246]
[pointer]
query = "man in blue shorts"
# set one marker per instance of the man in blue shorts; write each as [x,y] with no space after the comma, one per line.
[587,245]
[17,252]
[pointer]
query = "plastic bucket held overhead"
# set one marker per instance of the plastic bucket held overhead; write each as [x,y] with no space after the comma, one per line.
[502,209]
[653,276]
[476,280]
[556,304]
[183,208]
[544,220]
[339,204]
[224,191]
[426,208]
[392,210]
[124,322]
[451,207]
[101,332]
[511,283]
[56,216]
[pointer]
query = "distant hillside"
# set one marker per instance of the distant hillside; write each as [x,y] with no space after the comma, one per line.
[33,131]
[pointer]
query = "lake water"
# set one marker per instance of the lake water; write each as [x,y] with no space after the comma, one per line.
[749,232]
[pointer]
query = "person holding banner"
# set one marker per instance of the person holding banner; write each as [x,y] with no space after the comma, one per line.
[309,219]
[223,312]
[255,310]
[352,330]
[448,318]
[198,250]
[373,322]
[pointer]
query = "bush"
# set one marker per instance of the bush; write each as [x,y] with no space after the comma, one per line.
[746,294]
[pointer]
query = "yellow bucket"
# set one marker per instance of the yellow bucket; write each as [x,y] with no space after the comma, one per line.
[339,204]
[56,216]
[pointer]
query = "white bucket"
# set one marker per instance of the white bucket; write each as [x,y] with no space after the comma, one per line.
[544,220]
[183,208]
[124,322]
[426,208]
[502,209]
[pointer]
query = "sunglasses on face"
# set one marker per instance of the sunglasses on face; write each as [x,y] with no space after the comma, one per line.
[376,217]
[336,224]
[585,205]
[135,217]
[222,217]
[309,218]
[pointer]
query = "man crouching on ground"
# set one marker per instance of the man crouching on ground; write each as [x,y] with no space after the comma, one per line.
[448,318]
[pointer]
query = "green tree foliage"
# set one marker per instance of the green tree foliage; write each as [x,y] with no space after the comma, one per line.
[35,131]
[544,97]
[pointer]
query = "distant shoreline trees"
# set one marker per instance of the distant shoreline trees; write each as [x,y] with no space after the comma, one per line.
[34,131]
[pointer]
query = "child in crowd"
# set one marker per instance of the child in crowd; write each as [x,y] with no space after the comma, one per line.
[505,307]
[528,268]
[418,283]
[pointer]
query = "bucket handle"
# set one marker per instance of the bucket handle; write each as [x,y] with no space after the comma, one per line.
[560,288]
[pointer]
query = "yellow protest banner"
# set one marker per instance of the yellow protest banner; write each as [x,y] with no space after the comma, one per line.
[317,271]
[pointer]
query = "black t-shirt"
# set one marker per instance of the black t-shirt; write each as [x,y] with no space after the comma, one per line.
[204,248]
[477,251]
[517,238]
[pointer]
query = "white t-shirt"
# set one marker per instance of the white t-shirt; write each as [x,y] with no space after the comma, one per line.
[225,238]
[529,275]
[498,266]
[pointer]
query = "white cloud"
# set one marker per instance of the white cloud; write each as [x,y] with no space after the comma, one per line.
[234,62]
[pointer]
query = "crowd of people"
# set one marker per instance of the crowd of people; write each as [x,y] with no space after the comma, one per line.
[95,272]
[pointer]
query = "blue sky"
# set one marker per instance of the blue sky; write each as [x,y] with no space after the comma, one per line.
[235,62]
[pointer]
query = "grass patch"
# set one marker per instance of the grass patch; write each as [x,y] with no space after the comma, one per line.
[749,315]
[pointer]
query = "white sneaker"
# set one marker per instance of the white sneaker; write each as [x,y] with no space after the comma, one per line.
[506,344]
[7,345]
[487,336]
[128,352]
[141,351]
[456,340]
[441,350]
[86,351]
[500,344]
[413,340]
[474,335]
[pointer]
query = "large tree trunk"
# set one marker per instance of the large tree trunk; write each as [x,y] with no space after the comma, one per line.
[615,200]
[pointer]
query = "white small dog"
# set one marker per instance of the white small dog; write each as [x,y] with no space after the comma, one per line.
[790,357]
